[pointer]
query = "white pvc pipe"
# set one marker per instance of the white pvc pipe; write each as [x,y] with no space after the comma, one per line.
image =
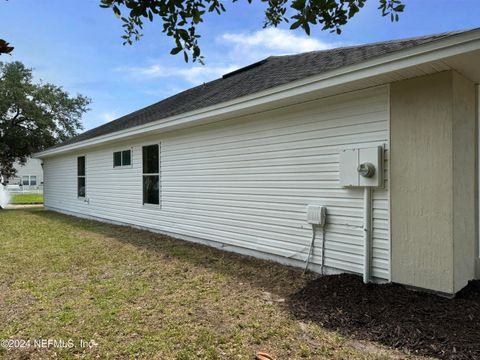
[367,228]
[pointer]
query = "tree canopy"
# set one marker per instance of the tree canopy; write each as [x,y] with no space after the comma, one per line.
[5,47]
[33,116]
[180,18]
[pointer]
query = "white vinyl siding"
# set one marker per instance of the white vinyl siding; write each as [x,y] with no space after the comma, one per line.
[245,182]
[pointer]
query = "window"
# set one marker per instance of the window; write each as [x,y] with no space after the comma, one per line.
[81,185]
[151,175]
[126,157]
[29,180]
[117,159]
[122,158]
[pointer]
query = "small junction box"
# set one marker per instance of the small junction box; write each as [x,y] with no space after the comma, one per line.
[316,215]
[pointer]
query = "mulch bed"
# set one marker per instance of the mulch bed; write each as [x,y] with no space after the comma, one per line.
[390,314]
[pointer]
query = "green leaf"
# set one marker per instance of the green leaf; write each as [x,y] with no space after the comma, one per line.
[183,34]
[298,4]
[196,52]
[116,11]
[176,50]
[306,27]
[295,25]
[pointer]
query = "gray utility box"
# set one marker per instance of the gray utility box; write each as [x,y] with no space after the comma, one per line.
[361,167]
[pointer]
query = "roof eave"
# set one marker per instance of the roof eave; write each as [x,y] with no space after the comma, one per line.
[421,54]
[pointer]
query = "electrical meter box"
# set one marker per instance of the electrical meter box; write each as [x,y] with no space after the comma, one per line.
[361,167]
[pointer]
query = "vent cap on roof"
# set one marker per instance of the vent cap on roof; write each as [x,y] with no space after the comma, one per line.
[245,68]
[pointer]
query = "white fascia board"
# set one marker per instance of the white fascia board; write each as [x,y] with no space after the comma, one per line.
[421,54]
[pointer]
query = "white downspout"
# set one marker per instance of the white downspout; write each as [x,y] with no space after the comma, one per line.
[367,228]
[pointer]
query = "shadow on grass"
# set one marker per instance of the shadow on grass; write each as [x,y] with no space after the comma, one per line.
[419,323]
[267,275]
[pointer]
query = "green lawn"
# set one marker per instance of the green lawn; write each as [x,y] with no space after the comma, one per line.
[142,295]
[27,199]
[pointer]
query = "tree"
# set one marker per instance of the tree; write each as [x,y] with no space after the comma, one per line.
[33,116]
[5,47]
[181,17]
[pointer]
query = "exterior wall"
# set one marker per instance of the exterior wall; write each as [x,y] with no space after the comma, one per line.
[244,183]
[31,167]
[477,193]
[464,175]
[433,181]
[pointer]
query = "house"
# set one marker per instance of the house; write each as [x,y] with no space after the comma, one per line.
[382,136]
[29,175]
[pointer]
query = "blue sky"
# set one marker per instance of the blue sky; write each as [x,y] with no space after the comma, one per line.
[77,45]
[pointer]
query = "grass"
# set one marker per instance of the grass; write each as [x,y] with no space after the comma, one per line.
[142,295]
[27,199]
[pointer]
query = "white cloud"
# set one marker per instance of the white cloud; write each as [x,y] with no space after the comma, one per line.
[194,75]
[232,51]
[274,41]
[107,116]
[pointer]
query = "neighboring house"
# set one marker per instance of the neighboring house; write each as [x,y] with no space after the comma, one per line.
[29,176]
[235,162]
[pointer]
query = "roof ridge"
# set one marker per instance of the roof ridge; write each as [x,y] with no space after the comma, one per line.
[268,73]
[437,36]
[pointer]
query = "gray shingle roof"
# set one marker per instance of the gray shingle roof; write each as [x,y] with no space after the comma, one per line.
[268,73]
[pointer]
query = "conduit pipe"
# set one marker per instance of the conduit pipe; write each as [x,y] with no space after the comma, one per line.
[367,229]
[312,243]
[314,232]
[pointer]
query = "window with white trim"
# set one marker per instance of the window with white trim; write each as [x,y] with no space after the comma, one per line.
[122,158]
[151,174]
[81,177]
[29,180]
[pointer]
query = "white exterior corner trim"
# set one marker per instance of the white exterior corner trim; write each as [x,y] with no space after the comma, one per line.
[421,54]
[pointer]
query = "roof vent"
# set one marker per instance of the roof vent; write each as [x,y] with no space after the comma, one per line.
[245,68]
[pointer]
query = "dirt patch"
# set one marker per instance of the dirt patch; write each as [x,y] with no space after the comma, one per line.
[418,323]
